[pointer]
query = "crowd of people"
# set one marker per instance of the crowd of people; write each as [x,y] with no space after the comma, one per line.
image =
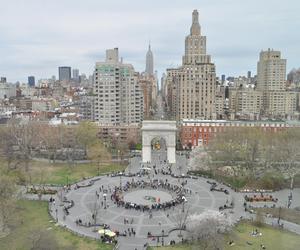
[177,191]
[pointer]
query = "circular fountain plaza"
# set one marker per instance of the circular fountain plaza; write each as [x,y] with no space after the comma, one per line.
[147,200]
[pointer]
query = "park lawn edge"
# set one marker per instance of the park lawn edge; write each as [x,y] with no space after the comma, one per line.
[33,215]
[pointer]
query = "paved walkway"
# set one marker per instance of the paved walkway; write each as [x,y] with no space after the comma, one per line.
[89,199]
[199,198]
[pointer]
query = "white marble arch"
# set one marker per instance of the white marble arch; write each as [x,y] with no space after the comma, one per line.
[162,129]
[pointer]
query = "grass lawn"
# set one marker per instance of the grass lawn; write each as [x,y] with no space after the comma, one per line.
[273,239]
[33,216]
[270,180]
[63,173]
[60,173]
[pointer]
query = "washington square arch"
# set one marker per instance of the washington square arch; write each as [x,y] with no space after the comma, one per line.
[159,129]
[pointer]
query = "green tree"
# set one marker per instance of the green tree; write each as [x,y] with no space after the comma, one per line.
[86,134]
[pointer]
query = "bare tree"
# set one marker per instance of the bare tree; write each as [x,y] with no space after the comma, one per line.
[254,149]
[289,150]
[61,195]
[268,149]
[42,178]
[20,140]
[181,216]
[259,218]
[7,202]
[41,239]
[225,147]
[122,149]
[207,229]
[7,147]
[199,159]
[95,208]
[51,139]
[251,141]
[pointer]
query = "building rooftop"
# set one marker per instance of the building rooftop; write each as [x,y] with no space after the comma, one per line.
[290,122]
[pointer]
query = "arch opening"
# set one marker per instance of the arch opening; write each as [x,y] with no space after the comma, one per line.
[159,135]
[158,149]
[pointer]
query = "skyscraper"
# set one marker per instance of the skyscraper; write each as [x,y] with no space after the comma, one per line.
[271,71]
[75,74]
[195,44]
[2,79]
[149,62]
[223,78]
[196,79]
[64,73]
[162,84]
[118,96]
[146,86]
[271,80]
[31,81]
[249,74]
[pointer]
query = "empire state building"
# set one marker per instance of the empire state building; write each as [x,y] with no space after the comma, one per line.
[149,62]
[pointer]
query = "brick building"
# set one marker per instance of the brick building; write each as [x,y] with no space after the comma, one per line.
[199,132]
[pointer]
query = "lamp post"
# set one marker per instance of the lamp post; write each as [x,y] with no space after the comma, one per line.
[98,167]
[104,197]
[279,215]
[180,170]
[117,142]
[121,183]
[130,163]
[292,182]
[56,214]
[183,201]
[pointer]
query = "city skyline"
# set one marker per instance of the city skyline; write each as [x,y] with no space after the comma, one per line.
[39,38]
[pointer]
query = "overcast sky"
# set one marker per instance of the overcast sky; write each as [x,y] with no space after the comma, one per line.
[37,36]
